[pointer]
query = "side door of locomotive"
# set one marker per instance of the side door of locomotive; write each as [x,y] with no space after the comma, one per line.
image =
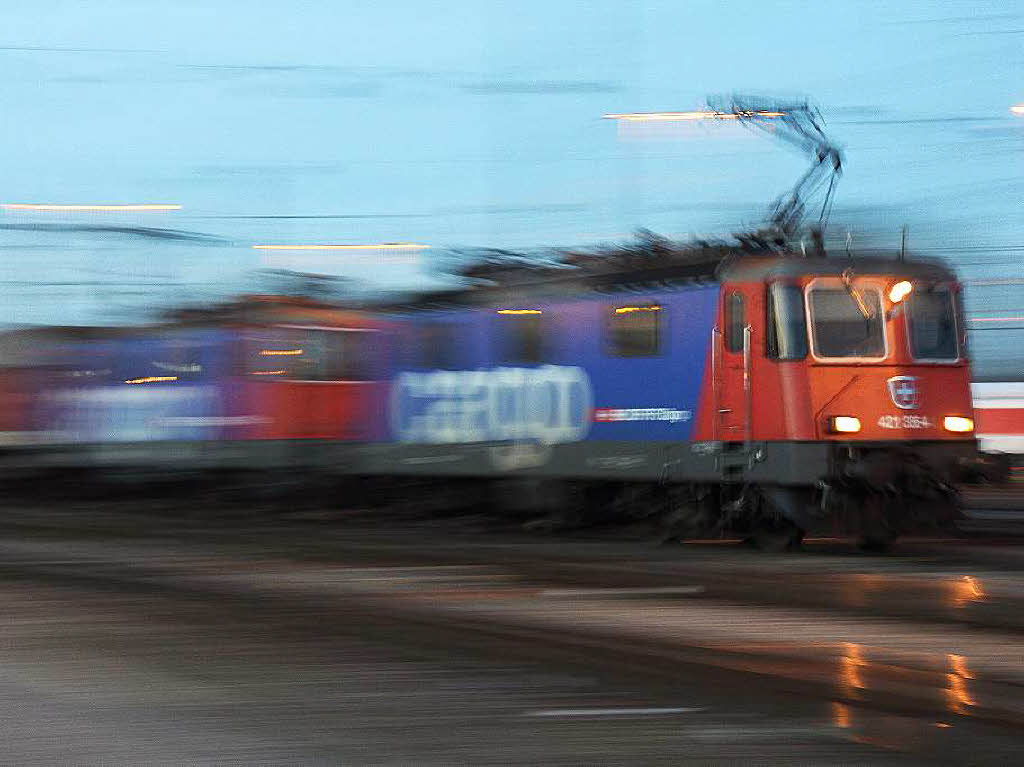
[733,346]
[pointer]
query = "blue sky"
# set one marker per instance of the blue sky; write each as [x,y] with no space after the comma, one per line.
[478,123]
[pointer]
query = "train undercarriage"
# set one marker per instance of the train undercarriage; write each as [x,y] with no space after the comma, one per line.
[874,492]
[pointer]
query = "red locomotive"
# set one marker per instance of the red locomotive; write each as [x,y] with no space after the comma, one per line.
[853,373]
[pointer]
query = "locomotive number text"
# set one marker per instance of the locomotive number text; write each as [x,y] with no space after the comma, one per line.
[905,422]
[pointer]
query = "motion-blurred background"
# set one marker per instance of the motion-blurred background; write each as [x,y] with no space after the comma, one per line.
[469,124]
[194,570]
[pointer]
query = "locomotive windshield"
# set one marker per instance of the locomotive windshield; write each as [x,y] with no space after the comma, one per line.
[840,328]
[931,321]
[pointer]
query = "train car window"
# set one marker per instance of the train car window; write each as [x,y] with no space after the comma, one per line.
[435,346]
[267,356]
[338,354]
[786,336]
[634,331]
[358,355]
[283,353]
[521,336]
[310,354]
[840,327]
[313,364]
[341,358]
[87,363]
[735,322]
[181,359]
[931,322]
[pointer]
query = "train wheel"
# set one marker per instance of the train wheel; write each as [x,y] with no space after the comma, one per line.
[873,545]
[877,532]
[691,512]
[575,505]
[775,537]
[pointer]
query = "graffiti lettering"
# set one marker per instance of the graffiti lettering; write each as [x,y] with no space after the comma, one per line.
[549,405]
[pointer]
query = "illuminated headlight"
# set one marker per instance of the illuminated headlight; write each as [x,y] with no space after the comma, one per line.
[899,291]
[843,424]
[958,423]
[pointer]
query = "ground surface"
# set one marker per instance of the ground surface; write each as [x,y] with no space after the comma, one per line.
[184,634]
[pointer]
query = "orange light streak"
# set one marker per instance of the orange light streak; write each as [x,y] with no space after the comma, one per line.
[685,116]
[98,208]
[377,246]
[840,715]
[520,311]
[280,352]
[850,664]
[973,587]
[628,309]
[150,379]
[963,591]
[957,696]
[959,664]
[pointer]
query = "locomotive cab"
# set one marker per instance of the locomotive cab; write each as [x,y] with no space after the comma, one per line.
[848,379]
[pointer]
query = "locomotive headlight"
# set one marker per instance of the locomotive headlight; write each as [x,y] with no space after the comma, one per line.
[844,424]
[900,290]
[958,423]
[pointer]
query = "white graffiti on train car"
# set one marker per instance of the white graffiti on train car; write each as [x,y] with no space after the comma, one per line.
[549,404]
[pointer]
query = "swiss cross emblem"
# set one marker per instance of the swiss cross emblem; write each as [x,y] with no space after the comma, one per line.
[904,392]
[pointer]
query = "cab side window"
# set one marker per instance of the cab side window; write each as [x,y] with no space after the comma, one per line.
[786,332]
[735,321]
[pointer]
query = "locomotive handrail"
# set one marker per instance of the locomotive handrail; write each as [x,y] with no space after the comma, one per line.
[747,330]
[716,413]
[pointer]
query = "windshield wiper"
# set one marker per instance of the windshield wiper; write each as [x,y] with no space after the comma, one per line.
[866,311]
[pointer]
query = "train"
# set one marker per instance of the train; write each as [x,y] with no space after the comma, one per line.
[766,393]
[999,408]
